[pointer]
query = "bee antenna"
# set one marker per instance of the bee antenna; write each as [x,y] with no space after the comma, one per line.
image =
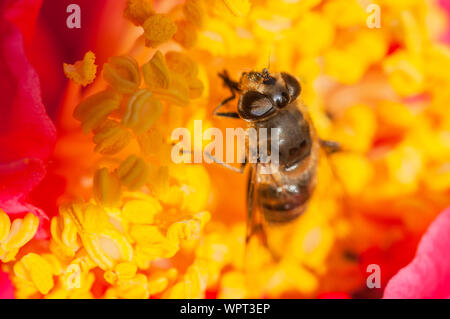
[265,72]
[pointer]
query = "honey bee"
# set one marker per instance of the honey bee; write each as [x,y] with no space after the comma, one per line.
[272,101]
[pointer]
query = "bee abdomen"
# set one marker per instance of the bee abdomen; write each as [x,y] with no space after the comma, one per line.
[281,215]
[283,205]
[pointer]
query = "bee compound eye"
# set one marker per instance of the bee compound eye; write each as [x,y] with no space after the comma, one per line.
[281,99]
[254,105]
[292,85]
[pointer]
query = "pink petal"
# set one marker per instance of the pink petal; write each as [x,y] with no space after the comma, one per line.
[428,275]
[6,287]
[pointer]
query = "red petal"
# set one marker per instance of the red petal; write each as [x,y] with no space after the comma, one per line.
[27,135]
[334,295]
[428,275]
[19,177]
[25,131]
[23,13]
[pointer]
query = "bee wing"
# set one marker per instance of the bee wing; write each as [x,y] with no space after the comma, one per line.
[255,225]
[260,248]
[257,253]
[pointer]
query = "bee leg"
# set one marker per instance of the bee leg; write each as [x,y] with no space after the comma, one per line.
[233,86]
[254,220]
[228,82]
[330,147]
[230,167]
[233,115]
[217,161]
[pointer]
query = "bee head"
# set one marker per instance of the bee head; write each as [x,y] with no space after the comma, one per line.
[264,93]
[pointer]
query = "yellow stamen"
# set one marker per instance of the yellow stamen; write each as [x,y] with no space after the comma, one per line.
[178,92]
[137,11]
[182,64]
[156,73]
[157,285]
[22,230]
[111,137]
[107,248]
[141,211]
[94,110]
[147,234]
[122,73]
[185,230]
[195,88]
[158,29]
[82,72]
[133,172]
[37,270]
[64,234]
[5,225]
[142,111]
[107,188]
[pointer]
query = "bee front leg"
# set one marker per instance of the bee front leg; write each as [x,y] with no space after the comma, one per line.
[228,166]
[233,86]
